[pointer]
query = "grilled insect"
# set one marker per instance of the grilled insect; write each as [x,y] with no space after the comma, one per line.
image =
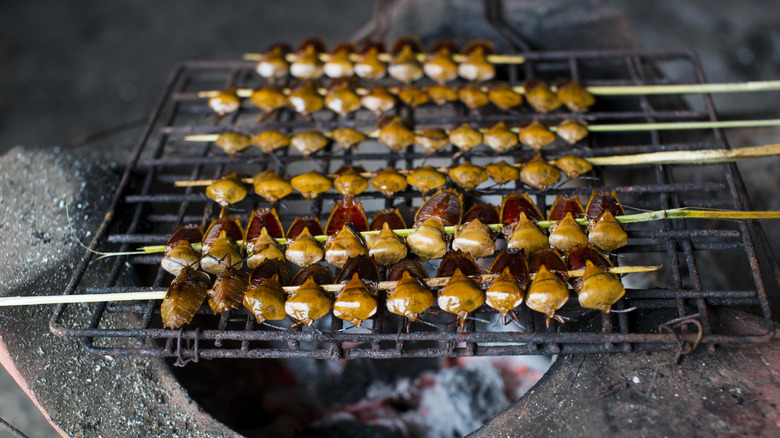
[389,182]
[273,63]
[394,134]
[312,223]
[404,65]
[225,102]
[504,98]
[566,233]
[268,99]
[465,138]
[220,247]
[468,175]
[476,67]
[228,290]
[228,189]
[539,174]
[439,65]
[264,226]
[460,296]
[536,135]
[539,96]
[446,205]
[441,94]
[347,137]
[303,249]
[378,100]
[390,216]
[346,244]
[179,252]
[356,302]
[305,99]
[308,142]
[185,295]
[502,172]
[577,257]
[309,303]
[341,99]
[269,141]
[486,213]
[232,142]
[507,292]
[475,239]
[573,166]
[386,247]
[574,96]
[265,296]
[473,97]
[368,66]
[515,203]
[499,138]
[604,231]
[347,211]
[339,64]
[426,179]
[548,291]
[311,184]
[572,130]
[349,181]
[410,297]
[599,290]
[413,96]
[432,139]
[270,186]
[525,235]
[307,64]
[427,239]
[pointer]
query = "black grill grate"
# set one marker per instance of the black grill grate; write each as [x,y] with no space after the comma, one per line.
[151,208]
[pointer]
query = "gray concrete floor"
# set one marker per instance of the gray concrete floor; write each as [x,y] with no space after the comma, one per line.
[78,67]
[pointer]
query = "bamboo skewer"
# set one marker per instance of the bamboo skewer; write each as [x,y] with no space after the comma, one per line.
[333,288]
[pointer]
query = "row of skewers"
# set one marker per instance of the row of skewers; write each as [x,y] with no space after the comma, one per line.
[349,234]
[406,62]
[394,133]
[344,97]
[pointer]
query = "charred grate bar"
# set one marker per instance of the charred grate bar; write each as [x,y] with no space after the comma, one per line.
[150,208]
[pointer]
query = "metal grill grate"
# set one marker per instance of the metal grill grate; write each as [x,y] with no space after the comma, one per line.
[683,291]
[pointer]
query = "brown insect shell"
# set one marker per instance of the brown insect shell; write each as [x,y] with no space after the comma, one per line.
[504,98]
[599,290]
[368,66]
[409,298]
[536,135]
[427,240]
[391,216]
[378,100]
[311,184]
[339,65]
[229,189]
[307,64]
[565,204]
[468,175]
[405,67]
[445,204]
[320,274]
[263,248]
[224,253]
[455,260]
[606,233]
[567,233]
[312,223]
[515,203]
[540,97]
[266,300]
[355,303]
[190,233]
[487,213]
[476,67]
[350,183]
[577,98]
[460,296]
[308,303]
[185,295]
[268,269]
[504,294]
[346,244]
[269,141]
[577,258]
[341,99]
[442,94]
[304,250]
[268,98]
[273,63]
[346,211]
[526,235]
[413,96]
[601,202]
[305,99]
[263,218]
[396,135]
[439,65]
[228,290]
[389,181]
[517,264]
[432,140]
[473,97]
[410,264]
[364,266]
[550,258]
[387,247]
[426,179]
[547,294]
[232,142]
[573,166]
[572,131]
[502,172]
[539,174]
[475,239]
[347,137]
[225,102]
[230,225]
[465,138]
[499,137]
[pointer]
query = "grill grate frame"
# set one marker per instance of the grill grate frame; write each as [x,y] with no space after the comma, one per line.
[151,207]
